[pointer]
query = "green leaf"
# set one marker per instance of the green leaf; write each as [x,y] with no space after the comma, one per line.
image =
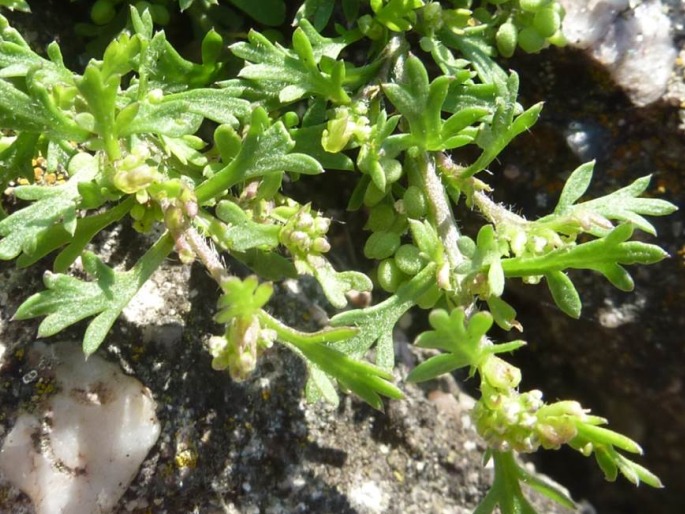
[172,118]
[397,15]
[364,379]
[452,333]
[622,205]
[318,12]
[241,233]
[267,12]
[575,187]
[564,293]
[421,103]
[68,300]
[545,486]
[289,75]
[19,5]
[320,387]
[15,160]
[377,322]
[100,92]
[50,205]
[604,255]
[86,228]
[336,284]
[503,313]
[265,149]
[603,436]
[219,105]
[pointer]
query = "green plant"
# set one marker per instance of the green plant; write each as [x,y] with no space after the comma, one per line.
[130,134]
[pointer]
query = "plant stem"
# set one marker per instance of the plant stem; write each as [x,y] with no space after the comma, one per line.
[439,208]
[207,255]
[495,212]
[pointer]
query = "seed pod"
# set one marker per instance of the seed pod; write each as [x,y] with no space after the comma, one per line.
[506,39]
[381,245]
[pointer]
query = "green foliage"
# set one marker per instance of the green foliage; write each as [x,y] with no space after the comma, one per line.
[384,91]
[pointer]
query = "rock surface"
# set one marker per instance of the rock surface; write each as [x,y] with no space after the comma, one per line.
[632,41]
[77,451]
[257,446]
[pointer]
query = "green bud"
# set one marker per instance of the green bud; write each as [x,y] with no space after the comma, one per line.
[506,39]
[381,245]
[500,374]
[321,245]
[336,135]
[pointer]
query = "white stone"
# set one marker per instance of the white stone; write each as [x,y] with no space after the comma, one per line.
[80,449]
[632,40]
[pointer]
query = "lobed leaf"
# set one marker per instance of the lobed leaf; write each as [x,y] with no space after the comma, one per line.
[67,300]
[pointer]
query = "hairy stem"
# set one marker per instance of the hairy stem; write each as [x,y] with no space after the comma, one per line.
[207,255]
[439,209]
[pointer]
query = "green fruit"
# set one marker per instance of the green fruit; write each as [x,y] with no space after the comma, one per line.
[381,245]
[408,259]
[506,39]
[102,12]
[381,217]
[530,40]
[414,203]
[389,276]
[547,21]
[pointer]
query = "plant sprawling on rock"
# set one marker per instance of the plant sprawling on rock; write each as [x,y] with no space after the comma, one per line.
[406,99]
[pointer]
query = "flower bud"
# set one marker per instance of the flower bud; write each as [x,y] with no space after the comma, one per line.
[500,374]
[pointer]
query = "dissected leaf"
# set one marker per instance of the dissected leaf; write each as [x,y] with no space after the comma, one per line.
[50,205]
[67,300]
